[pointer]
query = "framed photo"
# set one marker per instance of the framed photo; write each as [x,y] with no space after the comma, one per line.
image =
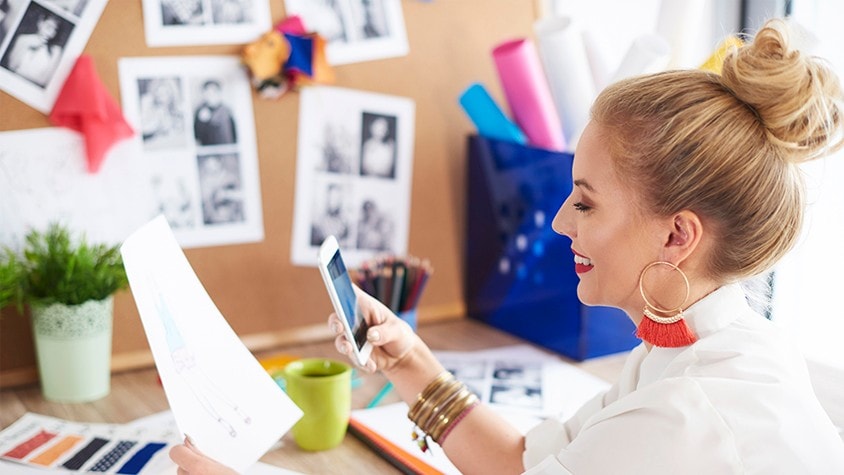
[356,30]
[353,173]
[196,132]
[40,41]
[205,22]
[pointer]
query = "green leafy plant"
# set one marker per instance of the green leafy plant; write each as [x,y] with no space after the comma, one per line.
[9,279]
[55,268]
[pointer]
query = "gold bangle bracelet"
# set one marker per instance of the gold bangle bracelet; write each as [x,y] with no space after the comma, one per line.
[441,407]
[426,393]
[436,401]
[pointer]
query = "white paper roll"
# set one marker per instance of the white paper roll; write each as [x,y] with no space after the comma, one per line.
[567,69]
[680,24]
[647,54]
[597,60]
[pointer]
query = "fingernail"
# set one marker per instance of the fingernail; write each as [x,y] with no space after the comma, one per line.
[373,335]
[188,441]
[335,328]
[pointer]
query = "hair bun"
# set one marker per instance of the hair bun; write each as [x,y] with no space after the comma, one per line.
[797,98]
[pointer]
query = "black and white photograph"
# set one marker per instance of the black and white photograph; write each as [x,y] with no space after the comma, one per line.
[213,119]
[517,396]
[231,12]
[163,114]
[375,228]
[363,143]
[338,149]
[370,19]
[182,12]
[221,189]
[204,22]
[356,30]
[197,136]
[332,214]
[174,199]
[378,145]
[517,373]
[37,45]
[40,42]
[73,7]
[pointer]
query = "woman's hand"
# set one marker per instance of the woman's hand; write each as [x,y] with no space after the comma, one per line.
[391,338]
[191,461]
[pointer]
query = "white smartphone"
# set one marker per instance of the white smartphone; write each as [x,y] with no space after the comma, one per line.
[343,296]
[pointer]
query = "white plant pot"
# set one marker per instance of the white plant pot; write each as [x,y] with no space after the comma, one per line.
[73,346]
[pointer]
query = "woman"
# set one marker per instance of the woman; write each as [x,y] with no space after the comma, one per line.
[684,184]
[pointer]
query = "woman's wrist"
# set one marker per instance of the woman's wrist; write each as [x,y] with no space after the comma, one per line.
[414,372]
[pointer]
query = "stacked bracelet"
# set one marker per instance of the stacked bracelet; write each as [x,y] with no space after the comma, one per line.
[439,407]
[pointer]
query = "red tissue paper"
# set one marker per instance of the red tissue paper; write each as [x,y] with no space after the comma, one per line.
[85,105]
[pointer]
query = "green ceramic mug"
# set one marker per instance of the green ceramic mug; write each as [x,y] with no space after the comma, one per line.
[322,388]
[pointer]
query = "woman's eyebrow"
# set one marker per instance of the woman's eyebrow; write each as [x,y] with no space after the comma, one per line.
[585,185]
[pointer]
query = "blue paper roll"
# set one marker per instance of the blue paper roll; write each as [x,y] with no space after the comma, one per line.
[488,117]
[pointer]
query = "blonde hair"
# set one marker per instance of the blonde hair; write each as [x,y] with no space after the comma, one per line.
[727,147]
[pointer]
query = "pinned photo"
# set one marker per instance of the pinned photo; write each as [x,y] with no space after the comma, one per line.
[198,22]
[356,30]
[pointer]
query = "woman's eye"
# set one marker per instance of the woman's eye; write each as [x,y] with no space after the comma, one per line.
[581,207]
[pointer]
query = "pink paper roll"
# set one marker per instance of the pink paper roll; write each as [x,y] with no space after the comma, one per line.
[527,93]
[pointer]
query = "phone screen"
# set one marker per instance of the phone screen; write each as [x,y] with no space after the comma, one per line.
[348,300]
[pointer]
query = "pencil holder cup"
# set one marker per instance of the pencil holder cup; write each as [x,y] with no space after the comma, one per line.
[409,316]
[516,276]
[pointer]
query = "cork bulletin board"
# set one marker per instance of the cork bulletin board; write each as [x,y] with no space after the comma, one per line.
[266,299]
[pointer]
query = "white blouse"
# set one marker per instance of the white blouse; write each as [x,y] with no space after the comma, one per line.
[738,400]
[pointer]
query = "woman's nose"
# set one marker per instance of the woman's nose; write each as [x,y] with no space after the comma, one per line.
[563,221]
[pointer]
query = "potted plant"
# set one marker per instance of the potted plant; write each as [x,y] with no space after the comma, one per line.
[69,286]
[8,279]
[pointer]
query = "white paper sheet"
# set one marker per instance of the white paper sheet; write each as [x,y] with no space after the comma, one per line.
[353,173]
[220,395]
[39,44]
[569,74]
[205,22]
[43,178]
[356,30]
[196,132]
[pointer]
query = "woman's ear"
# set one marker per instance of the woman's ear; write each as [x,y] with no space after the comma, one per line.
[684,236]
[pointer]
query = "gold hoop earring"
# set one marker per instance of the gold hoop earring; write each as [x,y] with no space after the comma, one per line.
[666,331]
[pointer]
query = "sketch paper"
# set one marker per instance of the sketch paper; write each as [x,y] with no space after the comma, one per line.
[205,22]
[356,30]
[353,174]
[220,395]
[44,178]
[196,133]
[39,44]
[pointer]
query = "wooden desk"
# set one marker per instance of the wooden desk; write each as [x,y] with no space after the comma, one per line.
[137,394]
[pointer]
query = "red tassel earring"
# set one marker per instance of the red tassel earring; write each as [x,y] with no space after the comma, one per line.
[666,331]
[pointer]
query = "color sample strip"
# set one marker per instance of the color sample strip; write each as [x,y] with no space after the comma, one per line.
[26,447]
[85,453]
[141,457]
[47,457]
[112,456]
